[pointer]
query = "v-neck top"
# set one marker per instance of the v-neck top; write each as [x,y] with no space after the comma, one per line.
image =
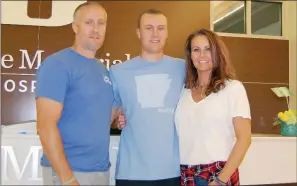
[205,128]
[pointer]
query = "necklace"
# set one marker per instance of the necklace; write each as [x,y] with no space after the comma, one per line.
[202,88]
[202,92]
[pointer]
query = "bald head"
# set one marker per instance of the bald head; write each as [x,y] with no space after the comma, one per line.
[86,5]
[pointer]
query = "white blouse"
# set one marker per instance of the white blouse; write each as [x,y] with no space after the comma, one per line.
[205,129]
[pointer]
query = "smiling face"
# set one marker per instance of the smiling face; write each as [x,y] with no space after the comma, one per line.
[153,32]
[201,53]
[207,57]
[90,27]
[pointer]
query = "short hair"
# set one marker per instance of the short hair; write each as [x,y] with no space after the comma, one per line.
[222,68]
[84,5]
[148,11]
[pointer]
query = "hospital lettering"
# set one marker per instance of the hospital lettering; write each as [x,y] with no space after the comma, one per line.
[11,167]
[26,59]
[21,86]
[7,60]
[32,61]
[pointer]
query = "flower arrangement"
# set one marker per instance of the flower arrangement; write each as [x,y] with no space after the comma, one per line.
[287,119]
[288,122]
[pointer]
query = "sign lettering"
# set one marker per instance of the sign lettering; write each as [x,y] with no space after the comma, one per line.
[9,154]
[30,63]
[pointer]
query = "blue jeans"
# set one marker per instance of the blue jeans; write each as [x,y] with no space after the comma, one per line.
[200,181]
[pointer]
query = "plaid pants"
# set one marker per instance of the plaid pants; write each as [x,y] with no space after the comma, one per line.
[207,172]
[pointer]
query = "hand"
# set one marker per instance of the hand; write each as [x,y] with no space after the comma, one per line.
[121,121]
[212,183]
[215,182]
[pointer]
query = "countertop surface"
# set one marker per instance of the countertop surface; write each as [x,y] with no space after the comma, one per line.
[29,130]
[254,136]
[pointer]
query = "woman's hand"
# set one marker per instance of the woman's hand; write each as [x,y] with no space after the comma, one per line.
[216,182]
[212,183]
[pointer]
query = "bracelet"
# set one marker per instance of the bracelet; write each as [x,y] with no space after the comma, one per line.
[219,182]
[69,181]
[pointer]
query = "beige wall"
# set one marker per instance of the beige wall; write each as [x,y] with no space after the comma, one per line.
[292,11]
[290,30]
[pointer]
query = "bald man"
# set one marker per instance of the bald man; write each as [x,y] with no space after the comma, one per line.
[74,100]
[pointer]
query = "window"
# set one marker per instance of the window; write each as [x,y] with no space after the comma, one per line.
[266,18]
[229,16]
[248,17]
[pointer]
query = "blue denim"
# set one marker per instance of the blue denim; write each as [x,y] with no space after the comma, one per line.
[200,181]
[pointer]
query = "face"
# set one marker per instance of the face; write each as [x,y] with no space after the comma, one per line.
[90,27]
[153,32]
[201,53]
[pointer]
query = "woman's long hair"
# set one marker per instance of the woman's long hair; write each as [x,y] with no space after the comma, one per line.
[222,68]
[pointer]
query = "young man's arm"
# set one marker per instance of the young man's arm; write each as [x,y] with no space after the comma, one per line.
[52,82]
[117,103]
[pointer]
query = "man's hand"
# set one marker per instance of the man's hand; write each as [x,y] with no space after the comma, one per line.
[118,120]
[121,121]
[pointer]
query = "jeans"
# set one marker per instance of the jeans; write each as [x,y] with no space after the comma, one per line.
[200,181]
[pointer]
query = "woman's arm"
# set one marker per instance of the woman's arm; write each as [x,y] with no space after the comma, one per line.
[242,127]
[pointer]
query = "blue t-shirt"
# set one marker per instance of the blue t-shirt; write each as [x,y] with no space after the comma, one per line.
[82,85]
[148,92]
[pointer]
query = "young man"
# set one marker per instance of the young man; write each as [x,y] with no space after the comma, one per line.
[74,99]
[148,87]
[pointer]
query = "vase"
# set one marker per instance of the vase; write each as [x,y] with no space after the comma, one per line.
[288,130]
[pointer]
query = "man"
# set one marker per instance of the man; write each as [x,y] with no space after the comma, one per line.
[74,99]
[148,87]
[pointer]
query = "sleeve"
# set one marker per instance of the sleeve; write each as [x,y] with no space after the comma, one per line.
[52,80]
[239,103]
[117,103]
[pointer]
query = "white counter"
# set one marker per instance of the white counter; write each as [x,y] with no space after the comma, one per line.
[270,159]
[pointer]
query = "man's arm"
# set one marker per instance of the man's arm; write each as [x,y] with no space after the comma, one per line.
[52,82]
[48,115]
[117,103]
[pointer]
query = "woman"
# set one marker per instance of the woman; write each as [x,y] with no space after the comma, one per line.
[212,112]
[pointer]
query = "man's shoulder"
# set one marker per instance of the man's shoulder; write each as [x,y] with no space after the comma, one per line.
[55,60]
[125,64]
[56,56]
[175,60]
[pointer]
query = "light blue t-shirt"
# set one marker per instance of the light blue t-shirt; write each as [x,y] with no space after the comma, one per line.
[148,92]
[82,85]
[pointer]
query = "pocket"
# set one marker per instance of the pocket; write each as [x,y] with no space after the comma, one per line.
[200,181]
[219,168]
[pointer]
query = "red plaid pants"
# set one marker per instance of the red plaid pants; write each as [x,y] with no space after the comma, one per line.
[205,171]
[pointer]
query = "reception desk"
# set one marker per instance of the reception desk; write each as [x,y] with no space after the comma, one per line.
[271,158]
